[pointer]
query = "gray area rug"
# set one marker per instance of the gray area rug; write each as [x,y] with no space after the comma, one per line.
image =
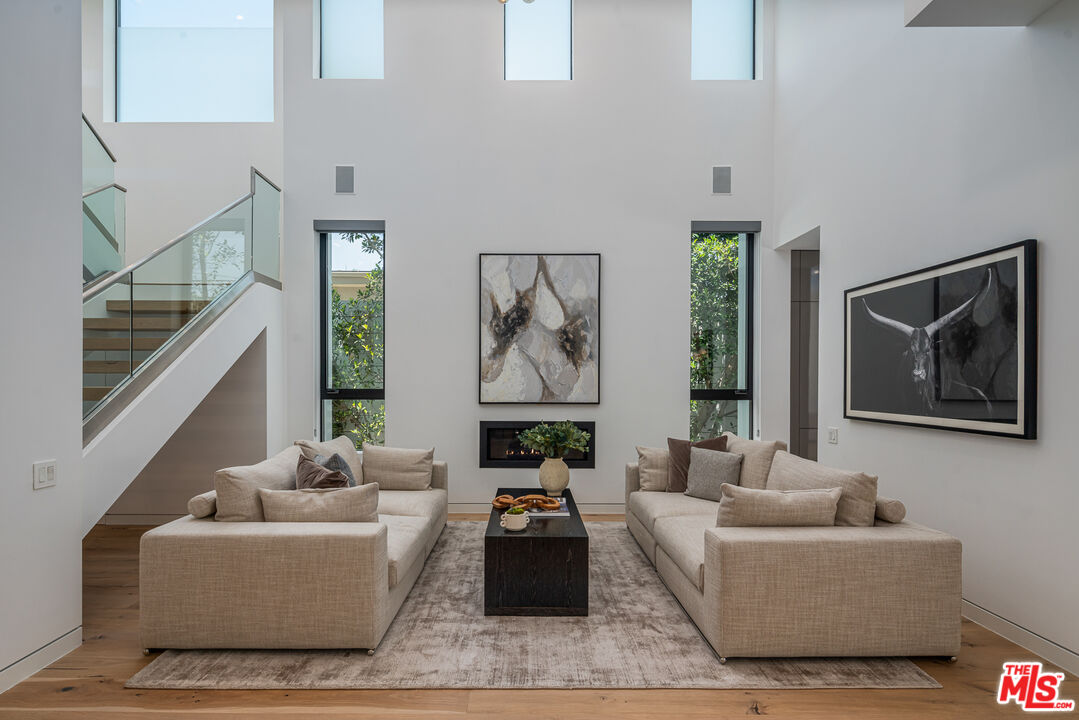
[636,636]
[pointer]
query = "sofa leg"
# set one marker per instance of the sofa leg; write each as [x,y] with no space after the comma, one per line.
[723,661]
[370,652]
[953,659]
[146,652]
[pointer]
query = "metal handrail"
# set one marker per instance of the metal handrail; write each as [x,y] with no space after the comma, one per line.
[97,289]
[95,191]
[100,140]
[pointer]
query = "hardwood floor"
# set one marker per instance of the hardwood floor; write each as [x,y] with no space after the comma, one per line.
[88,684]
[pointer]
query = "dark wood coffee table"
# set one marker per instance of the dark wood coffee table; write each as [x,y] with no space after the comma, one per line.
[541,570]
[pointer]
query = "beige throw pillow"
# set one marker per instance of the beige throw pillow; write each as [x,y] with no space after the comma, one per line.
[203,505]
[859,502]
[398,468]
[349,504]
[890,510]
[238,487]
[340,445]
[757,459]
[744,507]
[652,463]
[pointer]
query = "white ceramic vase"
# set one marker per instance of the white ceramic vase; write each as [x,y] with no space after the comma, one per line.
[554,476]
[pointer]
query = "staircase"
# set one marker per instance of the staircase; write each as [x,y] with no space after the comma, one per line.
[104,208]
[141,315]
[160,333]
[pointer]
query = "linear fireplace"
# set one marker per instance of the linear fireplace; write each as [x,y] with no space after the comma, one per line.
[500,448]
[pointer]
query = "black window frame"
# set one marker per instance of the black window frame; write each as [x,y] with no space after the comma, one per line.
[325,229]
[751,230]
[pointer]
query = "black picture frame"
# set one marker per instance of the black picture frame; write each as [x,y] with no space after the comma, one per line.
[942,356]
[594,345]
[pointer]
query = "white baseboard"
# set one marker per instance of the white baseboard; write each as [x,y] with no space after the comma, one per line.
[1060,656]
[113,519]
[41,658]
[586,508]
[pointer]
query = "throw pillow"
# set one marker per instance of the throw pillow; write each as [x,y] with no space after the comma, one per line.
[652,463]
[203,505]
[311,475]
[758,459]
[890,510]
[858,504]
[709,470]
[336,462]
[340,445]
[398,468]
[238,487]
[746,507]
[678,464]
[355,504]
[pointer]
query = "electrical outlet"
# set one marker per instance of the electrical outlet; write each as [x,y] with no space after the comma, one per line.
[44,474]
[833,436]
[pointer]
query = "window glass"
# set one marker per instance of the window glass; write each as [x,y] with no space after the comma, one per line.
[352,39]
[539,40]
[722,40]
[194,61]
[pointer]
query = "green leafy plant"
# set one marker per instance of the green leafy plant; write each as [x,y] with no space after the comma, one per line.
[516,511]
[555,440]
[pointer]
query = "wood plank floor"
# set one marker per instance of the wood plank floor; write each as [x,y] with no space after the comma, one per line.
[88,684]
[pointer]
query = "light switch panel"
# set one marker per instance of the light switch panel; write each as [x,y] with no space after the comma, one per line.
[44,474]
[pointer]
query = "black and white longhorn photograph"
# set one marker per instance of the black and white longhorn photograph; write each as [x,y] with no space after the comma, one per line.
[952,346]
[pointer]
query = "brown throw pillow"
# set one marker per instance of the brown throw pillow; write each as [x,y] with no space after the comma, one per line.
[678,464]
[311,475]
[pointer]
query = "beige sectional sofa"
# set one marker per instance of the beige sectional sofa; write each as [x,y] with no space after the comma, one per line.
[886,590]
[210,584]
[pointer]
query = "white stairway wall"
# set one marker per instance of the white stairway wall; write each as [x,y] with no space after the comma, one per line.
[909,147]
[40,170]
[123,449]
[457,161]
[227,428]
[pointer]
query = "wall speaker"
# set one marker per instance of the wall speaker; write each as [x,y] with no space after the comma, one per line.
[721,180]
[344,179]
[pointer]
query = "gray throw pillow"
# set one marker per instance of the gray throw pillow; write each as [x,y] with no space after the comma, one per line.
[336,462]
[746,507]
[709,470]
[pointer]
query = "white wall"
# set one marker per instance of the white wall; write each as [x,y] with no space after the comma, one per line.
[457,162]
[911,147]
[40,185]
[227,428]
[176,174]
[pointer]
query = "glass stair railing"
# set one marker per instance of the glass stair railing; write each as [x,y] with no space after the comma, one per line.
[103,209]
[133,315]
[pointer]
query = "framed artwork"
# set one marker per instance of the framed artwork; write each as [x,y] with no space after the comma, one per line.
[539,328]
[953,346]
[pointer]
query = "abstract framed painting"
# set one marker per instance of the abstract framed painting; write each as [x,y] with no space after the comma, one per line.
[952,347]
[539,328]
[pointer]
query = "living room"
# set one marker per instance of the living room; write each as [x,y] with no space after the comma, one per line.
[882,143]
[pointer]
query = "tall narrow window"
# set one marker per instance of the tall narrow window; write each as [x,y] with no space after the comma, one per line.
[722,40]
[352,39]
[721,331]
[538,39]
[353,339]
[187,61]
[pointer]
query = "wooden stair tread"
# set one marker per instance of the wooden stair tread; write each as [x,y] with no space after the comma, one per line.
[186,307]
[95,392]
[106,366]
[121,343]
[139,323]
